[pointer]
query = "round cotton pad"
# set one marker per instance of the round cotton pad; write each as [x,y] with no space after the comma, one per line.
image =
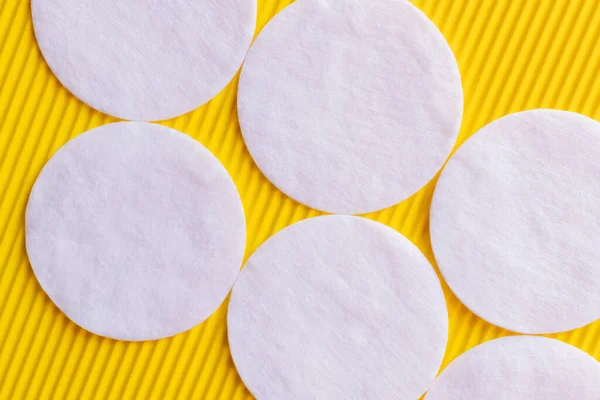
[350,106]
[135,231]
[337,307]
[144,60]
[519,368]
[515,220]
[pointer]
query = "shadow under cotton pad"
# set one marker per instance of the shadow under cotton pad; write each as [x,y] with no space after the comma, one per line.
[350,106]
[515,221]
[144,60]
[135,231]
[337,307]
[519,368]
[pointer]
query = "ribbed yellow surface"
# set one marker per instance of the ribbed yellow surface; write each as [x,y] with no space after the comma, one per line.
[513,55]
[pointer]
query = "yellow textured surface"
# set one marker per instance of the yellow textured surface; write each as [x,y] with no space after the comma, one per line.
[513,55]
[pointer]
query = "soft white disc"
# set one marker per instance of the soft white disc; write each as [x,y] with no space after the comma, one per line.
[135,231]
[337,307]
[144,60]
[350,106]
[515,220]
[519,368]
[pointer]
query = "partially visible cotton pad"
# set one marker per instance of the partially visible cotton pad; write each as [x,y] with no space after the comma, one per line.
[350,106]
[515,221]
[519,368]
[144,60]
[337,307]
[135,231]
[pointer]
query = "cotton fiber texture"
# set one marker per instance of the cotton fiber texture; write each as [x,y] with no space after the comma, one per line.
[337,307]
[144,60]
[519,368]
[135,231]
[515,221]
[350,106]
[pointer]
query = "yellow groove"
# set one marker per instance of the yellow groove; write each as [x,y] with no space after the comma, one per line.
[513,55]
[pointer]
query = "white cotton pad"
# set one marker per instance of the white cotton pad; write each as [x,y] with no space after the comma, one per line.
[515,221]
[350,106]
[337,307]
[519,368]
[144,60]
[135,231]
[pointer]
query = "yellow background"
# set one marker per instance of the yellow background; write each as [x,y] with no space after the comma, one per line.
[513,55]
